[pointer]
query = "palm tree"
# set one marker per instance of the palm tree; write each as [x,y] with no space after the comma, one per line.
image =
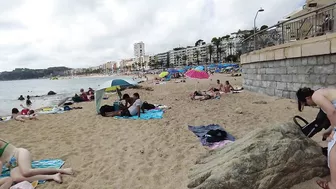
[199,42]
[197,53]
[217,42]
[177,59]
[184,57]
[210,51]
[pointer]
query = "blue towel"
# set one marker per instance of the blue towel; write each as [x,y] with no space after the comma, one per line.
[201,131]
[149,114]
[46,163]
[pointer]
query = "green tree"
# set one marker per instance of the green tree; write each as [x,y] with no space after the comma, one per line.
[184,57]
[210,51]
[199,42]
[217,42]
[263,27]
[177,60]
[197,53]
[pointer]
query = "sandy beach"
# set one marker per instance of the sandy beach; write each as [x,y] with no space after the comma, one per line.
[112,153]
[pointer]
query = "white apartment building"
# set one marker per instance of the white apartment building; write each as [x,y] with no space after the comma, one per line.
[139,49]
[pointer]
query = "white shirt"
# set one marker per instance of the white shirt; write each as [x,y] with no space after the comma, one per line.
[134,108]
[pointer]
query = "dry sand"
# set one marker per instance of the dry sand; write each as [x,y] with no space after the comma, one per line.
[111,153]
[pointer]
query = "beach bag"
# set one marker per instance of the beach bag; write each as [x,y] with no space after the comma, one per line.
[216,136]
[147,106]
[106,108]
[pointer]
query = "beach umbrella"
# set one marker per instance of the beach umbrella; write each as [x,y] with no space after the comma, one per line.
[163,74]
[201,68]
[197,74]
[173,71]
[112,85]
[182,70]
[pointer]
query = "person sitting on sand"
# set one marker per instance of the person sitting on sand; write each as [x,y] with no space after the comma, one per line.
[18,160]
[24,114]
[21,98]
[128,101]
[227,88]
[326,100]
[219,87]
[83,95]
[134,109]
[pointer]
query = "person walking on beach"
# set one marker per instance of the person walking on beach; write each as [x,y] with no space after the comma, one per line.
[326,99]
[18,160]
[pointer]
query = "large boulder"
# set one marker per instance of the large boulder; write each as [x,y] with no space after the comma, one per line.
[272,158]
[51,93]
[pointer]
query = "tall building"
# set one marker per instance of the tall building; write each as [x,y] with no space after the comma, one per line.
[139,49]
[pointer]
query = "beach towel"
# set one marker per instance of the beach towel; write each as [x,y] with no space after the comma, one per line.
[46,163]
[4,119]
[51,111]
[149,114]
[201,133]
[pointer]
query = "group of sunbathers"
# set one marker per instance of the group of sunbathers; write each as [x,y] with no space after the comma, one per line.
[213,92]
[24,114]
[132,107]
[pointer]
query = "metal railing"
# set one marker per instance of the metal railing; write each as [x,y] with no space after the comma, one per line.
[311,24]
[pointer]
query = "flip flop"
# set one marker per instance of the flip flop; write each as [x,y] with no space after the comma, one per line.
[323,184]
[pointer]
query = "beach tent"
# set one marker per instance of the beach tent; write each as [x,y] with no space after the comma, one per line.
[111,85]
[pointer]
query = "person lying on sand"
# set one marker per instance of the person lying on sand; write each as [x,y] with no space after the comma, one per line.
[6,183]
[134,109]
[198,95]
[24,114]
[18,160]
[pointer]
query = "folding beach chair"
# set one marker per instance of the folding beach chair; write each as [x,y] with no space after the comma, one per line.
[310,129]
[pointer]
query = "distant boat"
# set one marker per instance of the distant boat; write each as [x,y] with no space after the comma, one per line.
[54,78]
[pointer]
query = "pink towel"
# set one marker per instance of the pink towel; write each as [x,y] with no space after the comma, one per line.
[220,144]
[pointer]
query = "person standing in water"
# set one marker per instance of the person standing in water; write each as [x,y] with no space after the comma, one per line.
[28,102]
[326,100]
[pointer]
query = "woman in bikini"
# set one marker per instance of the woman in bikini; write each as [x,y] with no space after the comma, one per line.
[19,161]
[326,99]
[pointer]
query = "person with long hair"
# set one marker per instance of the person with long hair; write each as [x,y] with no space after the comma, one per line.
[326,99]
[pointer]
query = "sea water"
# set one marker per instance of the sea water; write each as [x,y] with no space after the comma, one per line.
[11,90]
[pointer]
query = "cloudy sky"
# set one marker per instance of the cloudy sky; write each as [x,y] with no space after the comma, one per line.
[83,33]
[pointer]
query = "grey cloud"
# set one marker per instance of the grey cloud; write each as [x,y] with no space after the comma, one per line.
[161,24]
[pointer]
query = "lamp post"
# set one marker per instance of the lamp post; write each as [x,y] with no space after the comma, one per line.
[260,10]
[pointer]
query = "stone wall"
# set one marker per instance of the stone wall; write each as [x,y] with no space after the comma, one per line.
[284,77]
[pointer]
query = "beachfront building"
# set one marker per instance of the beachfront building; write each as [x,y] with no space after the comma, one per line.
[141,60]
[126,64]
[139,49]
[311,24]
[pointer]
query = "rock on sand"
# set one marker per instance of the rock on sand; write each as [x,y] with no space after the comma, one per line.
[272,158]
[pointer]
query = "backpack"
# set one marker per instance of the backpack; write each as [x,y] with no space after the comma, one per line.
[106,108]
[147,106]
